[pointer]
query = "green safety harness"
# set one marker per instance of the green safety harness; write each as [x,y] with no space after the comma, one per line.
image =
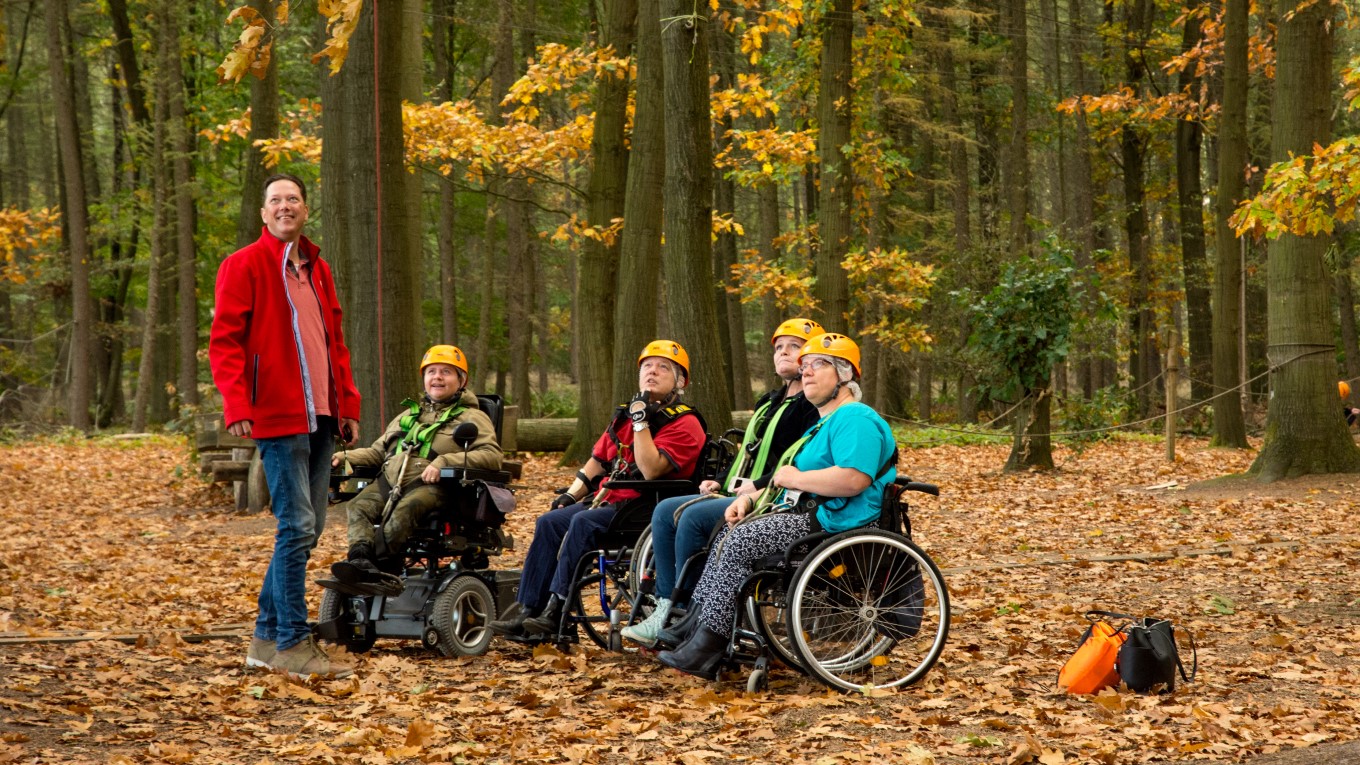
[757,440]
[419,436]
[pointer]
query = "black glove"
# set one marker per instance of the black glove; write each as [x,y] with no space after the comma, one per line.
[562,500]
[640,408]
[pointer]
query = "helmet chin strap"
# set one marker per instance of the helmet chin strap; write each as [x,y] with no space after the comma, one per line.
[836,391]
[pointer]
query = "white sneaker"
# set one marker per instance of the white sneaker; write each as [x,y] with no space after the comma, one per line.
[645,631]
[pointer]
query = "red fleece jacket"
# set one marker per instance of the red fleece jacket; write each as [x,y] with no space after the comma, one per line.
[253,347]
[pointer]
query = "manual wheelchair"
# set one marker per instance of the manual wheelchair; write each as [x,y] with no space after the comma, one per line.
[449,592]
[859,609]
[607,594]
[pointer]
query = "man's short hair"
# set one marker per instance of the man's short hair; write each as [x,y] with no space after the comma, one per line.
[264,190]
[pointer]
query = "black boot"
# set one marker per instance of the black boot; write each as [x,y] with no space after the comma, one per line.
[513,623]
[701,655]
[544,626]
[681,630]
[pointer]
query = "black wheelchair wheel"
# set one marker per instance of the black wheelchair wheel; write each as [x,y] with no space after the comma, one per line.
[868,609]
[598,595]
[460,617]
[766,609]
[355,637]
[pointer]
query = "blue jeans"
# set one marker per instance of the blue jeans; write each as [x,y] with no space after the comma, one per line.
[298,470]
[561,537]
[673,543]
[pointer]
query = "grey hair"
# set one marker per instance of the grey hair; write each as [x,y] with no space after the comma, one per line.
[679,376]
[845,372]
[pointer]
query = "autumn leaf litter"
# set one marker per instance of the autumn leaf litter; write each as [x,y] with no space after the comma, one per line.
[123,540]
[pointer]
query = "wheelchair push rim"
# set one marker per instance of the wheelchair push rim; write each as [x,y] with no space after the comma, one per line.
[868,610]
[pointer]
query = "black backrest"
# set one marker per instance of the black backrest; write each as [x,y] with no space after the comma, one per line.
[494,407]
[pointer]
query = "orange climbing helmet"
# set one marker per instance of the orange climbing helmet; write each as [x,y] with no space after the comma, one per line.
[445,354]
[832,344]
[668,350]
[799,328]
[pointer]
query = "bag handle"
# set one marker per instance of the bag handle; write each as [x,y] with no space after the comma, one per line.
[1194,655]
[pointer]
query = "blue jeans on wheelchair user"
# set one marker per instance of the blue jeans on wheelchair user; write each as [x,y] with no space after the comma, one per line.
[561,537]
[673,542]
[298,470]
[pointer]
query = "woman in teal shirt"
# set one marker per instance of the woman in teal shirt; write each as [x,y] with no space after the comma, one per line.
[845,461]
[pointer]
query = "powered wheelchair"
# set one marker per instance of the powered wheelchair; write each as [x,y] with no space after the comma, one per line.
[607,592]
[449,592]
[859,609]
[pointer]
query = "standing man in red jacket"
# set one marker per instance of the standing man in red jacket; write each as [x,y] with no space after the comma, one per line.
[279,358]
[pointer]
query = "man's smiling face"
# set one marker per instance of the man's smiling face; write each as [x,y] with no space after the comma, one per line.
[284,210]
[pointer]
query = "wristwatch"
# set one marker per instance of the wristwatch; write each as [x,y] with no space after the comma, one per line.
[638,426]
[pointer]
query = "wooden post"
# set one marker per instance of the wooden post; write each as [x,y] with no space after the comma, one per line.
[1173,368]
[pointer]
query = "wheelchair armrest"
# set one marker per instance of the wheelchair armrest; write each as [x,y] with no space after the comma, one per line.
[925,488]
[668,484]
[471,474]
[361,472]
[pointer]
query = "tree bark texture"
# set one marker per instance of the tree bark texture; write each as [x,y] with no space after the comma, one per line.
[181,139]
[1304,430]
[379,204]
[443,44]
[76,213]
[1017,153]
[1194,260]
[147,379]
[264,124]
[515,209]
[731,322]
[1133,150]
[688,219]
[832,289]
[639,251]
[603,372]
[1031,444]
[1229,427]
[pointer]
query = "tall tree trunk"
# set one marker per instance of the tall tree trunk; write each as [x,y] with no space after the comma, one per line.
[1229,428]
[1133,152]
[1304,432]
[1017,153]
[832,289]
[444,36]
[516,210]
[1081,227]
[731,322]
[181,138]
[639,253]
[122,255]
[76,213]
[688,219]
[378,254]
[604,374]
[264,124]
[147,378]
[1194,260]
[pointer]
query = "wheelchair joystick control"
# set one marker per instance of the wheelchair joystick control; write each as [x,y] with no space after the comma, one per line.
[464,435]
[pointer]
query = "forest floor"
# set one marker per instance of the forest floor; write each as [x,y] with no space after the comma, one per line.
[106,538]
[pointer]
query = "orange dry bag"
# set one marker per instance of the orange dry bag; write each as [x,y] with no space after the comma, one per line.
[1092,667]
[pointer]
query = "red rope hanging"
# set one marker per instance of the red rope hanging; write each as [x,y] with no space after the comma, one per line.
[377,162]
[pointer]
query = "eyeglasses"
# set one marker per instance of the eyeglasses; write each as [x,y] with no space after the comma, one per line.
[813,365]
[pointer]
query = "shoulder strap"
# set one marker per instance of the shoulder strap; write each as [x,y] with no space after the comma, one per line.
[748,441]
[421,436]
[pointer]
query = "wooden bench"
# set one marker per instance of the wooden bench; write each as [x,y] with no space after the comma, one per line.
[231,459]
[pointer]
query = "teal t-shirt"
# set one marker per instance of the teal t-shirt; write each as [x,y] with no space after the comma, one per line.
[853,436]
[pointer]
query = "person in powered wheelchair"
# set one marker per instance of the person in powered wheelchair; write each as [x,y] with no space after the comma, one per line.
[843,463]
[682,526]
[653,436]
[416,445]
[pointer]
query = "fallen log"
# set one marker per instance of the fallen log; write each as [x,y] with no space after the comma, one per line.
[554,434]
